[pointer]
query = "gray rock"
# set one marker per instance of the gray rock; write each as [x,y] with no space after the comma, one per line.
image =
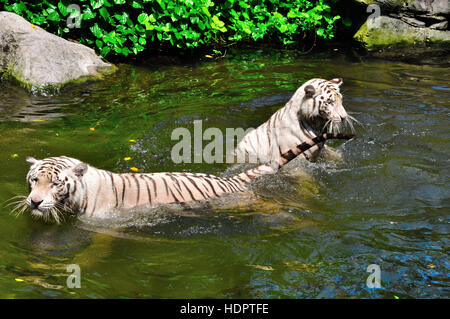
[430,6]
[383,32]
[405,23]
[440,26]
[413,22]
[41,61]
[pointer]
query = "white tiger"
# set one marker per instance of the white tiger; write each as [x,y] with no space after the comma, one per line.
[315,107]
[64,184]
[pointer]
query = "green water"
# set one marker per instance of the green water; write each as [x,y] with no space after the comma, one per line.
[386,203]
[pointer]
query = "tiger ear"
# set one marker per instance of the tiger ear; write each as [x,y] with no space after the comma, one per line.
[337,81]
[80,169]
[31,160]
[309,91]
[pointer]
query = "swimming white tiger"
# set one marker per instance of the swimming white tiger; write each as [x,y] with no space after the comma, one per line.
[64,184]
[315,107]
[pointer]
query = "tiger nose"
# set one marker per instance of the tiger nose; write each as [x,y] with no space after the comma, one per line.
[35,204]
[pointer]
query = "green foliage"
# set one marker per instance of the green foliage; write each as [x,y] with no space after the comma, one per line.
[121,27]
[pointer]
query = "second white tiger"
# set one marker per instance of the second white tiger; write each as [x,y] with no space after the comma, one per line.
[316,107]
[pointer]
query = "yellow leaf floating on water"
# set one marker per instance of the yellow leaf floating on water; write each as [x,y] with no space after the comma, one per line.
[15,155]
[126,158]
[57,134]
[19,280]
[134,169]
[92,129]
[132,141]
[261,267]
[430,266]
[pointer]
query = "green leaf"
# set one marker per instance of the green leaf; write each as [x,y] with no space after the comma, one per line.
[162,4]
[139,28]
[99,43]
[194,20]
[142,18]
[95,29]
[96,4]
[142,41]
[88,14]
[105,51]
[137,5]
[53,15]
[104,13]
[62,8]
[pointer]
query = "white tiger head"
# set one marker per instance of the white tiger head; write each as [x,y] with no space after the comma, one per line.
[53,183]
[321,105]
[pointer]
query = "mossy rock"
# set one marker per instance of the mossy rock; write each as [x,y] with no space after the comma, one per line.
[387,32]
[42,62]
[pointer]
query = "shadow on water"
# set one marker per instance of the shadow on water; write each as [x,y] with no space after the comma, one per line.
[310,231]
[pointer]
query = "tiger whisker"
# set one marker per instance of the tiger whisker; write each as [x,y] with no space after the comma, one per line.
[325,126]
[15,203]
[63,207]
[18,205]
[350,124]
[17,196]
[22,210]
[56,214]
[19,209]
[22,197]
[355,120]
[61,214]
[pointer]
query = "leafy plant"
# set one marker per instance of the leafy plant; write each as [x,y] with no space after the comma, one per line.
[121,28]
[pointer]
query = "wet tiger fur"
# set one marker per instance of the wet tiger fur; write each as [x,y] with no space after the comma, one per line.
[64,184]
[315,107]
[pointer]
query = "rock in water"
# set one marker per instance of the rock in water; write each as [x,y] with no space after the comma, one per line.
[401,23]
[42,62]
[385,32]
